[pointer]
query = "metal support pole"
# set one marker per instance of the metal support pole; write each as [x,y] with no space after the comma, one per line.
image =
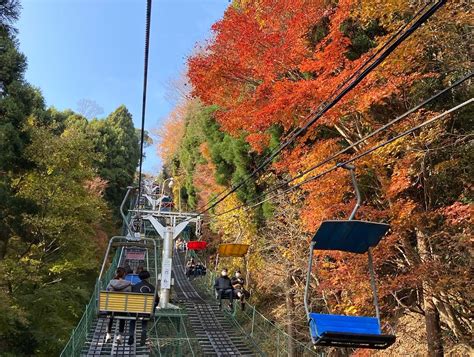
[308,278]
[351,168]
[166,267]
[73,342]
[253,321]
[129,230]
[373,284]
[278,343]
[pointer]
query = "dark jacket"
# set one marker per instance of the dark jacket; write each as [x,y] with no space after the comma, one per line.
[223,283]
[238,283]
[143,287]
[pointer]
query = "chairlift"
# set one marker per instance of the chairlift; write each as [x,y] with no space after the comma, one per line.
[128,305]
[196,245]
[233,250]
[355,237]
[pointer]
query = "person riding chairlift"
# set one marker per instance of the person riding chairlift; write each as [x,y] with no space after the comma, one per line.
[190,266]
[238,283]
[118,283]
[143,287]
[223,287]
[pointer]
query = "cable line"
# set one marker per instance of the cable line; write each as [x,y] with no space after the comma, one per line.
[423,18]
[365,153]
[360,141]
[145,81]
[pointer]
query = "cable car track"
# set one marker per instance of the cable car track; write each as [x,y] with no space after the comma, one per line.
[215,334]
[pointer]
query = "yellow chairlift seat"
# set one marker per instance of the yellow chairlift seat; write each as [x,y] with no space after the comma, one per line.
[233,250]
[126,302]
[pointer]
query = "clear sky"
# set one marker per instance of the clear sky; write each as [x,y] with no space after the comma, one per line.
[93,49]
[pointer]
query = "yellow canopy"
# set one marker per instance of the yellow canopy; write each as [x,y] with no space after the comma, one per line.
[233,250]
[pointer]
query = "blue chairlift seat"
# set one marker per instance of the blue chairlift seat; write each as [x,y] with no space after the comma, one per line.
[349,236]
[348,331]
[339,330]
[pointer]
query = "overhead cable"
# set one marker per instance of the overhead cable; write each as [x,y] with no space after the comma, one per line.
[423,18]
[364,139]
[333,94]
[145,81]
[365,153]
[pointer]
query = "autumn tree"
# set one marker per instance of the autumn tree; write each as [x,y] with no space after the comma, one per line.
[268,66]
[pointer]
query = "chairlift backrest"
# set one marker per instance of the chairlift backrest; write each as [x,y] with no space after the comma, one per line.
[197,245]
[349,236]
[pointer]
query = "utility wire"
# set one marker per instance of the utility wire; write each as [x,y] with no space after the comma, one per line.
[365,153]
[360,141]
[352,76]
[334,101]
[145,81]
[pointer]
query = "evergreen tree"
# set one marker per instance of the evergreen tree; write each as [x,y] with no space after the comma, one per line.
[115,138]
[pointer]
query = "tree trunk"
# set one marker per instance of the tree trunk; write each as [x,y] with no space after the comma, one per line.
[433,330]
[432,324]
[447,314]
[290,308]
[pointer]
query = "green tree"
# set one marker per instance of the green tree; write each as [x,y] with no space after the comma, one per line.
[18,100]
[115,138]
[47,273]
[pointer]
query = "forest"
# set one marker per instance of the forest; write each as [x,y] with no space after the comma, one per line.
[62,178]
[272,64]
[268,68]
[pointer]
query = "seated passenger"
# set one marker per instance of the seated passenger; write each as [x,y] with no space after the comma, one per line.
[238,283]
[118,283]
[200,270]
[178,243]
[143,287]
[223,286]
[128,269]
[139,269]
[190,265]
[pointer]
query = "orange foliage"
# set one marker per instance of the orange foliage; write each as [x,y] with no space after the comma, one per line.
[266,67]
[171,132]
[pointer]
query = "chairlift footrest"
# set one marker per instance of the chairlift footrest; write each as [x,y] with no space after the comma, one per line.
[354,340]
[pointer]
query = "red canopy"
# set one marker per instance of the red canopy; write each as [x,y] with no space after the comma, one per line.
[197,245]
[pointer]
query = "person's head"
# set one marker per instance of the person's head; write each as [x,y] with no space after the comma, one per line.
[139,269]
[120,273]
[144,275]
[238,274]
[224,272]
[128,269]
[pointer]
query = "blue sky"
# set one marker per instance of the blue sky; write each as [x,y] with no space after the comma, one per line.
[93,49]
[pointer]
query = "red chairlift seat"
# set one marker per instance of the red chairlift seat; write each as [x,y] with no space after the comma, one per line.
[197,245]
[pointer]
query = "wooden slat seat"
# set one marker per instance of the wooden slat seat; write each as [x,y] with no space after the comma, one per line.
[126,302]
